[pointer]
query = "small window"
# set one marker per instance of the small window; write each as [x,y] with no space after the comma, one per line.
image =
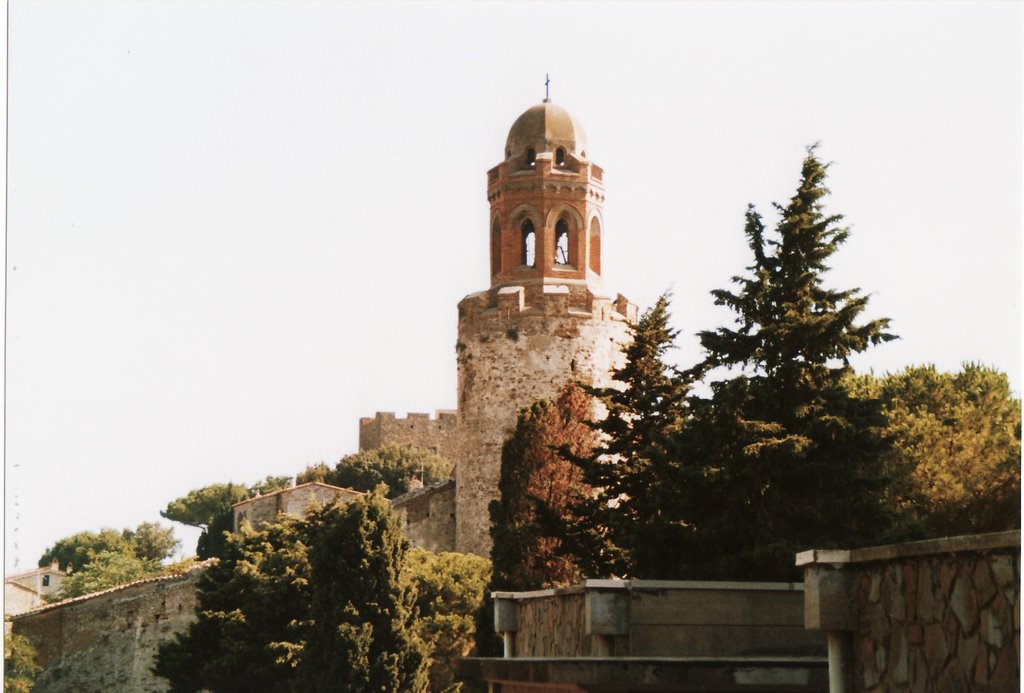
[560,157]
[531,157]
[46,581]
[562,242]
[529,244]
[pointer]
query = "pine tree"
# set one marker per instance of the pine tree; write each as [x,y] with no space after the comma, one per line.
[785,457]
[633,524]
[362,636]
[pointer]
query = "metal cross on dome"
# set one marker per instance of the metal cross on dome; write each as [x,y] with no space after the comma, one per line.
[547,81]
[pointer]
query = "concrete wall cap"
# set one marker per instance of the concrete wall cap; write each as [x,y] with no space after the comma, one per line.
[946,545]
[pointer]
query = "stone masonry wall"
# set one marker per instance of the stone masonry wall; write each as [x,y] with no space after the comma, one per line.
[291,501]
[510,355]
[107,641]
[419,430]
[936,615]
[428,516]
[939,623]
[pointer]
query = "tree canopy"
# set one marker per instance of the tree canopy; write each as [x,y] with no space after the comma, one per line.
[391,465]
[147,542]
[311,605]
[450,589]
[537,483]
[783,456]
[632,523]
[955,457]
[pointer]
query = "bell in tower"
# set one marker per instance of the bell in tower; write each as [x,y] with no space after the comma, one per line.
[545,320]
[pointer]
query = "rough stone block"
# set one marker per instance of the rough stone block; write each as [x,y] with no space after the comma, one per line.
[870,668]
[964,604]
[1005,675]
[953,679]
[967,652]
[935,651]
[991,630]
[925,594]
[899,657]
[984,584]
[1002,570]
[910,590]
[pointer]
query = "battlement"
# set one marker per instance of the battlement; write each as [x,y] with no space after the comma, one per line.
[417,429]
[545,300]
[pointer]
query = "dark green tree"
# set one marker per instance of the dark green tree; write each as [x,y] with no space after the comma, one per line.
[362,635]
[392,465]
[252,616]
[784,456]
[633,525]
[955,458]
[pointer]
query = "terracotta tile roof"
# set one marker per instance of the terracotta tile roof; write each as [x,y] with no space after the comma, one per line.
[202,565]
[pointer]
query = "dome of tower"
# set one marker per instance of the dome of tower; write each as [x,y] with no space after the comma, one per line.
[544,128]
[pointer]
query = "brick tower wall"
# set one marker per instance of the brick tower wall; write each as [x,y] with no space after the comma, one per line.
[510,355]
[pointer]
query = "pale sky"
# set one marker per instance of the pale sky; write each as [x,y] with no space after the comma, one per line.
[233,228]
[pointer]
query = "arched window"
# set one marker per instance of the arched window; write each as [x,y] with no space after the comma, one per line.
[495,248]
[560,156]
[531,157]
[529,244]
[562,242]
[595,246]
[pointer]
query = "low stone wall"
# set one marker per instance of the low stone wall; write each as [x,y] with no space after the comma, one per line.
[657,618]
[107,641]
[941,615]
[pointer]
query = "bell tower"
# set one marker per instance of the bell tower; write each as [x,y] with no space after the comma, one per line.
[545,320]
[546,199]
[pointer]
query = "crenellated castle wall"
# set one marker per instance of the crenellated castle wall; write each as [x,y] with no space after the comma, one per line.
[419,430]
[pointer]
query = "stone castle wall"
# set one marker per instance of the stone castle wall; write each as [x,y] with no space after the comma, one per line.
[419,430]
[107,641]
[940,615]
[428,516]
[511,354]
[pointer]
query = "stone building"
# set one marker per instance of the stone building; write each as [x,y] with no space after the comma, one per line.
[29,589]
[294,501]
[544,321]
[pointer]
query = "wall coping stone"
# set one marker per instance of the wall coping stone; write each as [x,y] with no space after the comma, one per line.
[974,542]
[660,585]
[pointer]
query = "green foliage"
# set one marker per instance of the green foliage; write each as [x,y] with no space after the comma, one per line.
[20,668]
[633,524]
[270,484]
[149,542]
[203,505]
[209,509]
[783,456]
[536,483]
[310,605]
[449,590]
[107,569]
[391,465]
[252,611]
[956,449]
[361,637]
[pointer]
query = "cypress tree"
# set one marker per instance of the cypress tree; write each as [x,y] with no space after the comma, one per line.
[784,456]
[362,636]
